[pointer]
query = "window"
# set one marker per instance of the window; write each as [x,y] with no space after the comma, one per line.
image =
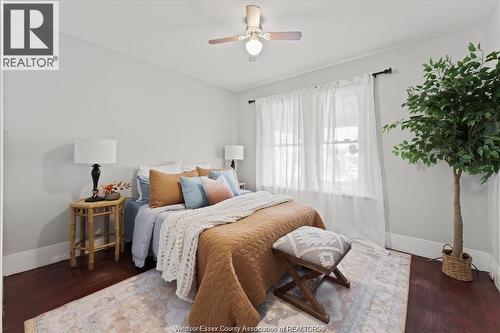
[332,156]
[320,145]
[340,145]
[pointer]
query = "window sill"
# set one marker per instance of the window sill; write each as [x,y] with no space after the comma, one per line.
[293,192]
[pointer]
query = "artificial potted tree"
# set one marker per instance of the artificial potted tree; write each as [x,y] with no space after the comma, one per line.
[454,117]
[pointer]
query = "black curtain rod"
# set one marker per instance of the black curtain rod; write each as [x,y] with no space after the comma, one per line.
[385,71]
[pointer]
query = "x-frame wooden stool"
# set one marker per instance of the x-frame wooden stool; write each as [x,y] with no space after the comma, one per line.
[314,308]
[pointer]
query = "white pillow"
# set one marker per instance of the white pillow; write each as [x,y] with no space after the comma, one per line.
[143,172]
[192,166]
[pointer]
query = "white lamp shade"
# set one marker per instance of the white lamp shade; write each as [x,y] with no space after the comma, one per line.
[95,151]
[233,152]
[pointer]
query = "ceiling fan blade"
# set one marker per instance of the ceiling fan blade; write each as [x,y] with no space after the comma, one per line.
[285,35]
[253,16]
[224,40]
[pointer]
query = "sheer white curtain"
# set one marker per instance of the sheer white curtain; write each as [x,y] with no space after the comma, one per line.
[494,224]
[320,145]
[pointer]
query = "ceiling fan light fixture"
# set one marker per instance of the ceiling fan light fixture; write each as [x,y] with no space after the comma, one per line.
[253,46]
[253,34]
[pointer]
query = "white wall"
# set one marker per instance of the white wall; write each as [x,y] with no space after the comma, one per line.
[419,199]
[155,114]
[493,30]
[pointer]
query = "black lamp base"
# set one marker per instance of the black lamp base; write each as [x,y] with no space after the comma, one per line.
[233,164]
[96,172]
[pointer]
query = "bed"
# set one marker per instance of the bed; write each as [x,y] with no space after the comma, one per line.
[234,262]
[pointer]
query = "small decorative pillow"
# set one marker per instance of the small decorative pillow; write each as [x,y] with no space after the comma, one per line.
[165,189]
[230,177]
[194,194]
[216,190]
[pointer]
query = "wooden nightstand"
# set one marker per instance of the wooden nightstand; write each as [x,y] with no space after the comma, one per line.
[86,211]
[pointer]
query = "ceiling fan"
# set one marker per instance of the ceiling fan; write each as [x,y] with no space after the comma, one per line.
[254,33]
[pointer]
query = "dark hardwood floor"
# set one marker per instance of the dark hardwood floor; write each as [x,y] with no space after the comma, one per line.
[436,303]
[28,294]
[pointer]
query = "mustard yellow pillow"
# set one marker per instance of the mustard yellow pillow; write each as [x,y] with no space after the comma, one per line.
[202,172]
[165,189]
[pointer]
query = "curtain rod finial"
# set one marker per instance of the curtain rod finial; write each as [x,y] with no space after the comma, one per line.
[385,71]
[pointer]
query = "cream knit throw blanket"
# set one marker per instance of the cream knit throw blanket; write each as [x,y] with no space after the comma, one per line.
[180,231]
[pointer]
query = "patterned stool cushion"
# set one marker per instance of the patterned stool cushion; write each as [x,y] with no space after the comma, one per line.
[315,245]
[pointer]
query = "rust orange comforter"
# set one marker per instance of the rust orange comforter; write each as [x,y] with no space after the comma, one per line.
[236,266]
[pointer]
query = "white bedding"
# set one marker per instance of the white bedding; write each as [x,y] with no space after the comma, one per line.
[147,227]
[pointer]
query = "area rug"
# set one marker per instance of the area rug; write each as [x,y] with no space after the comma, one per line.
[376,302]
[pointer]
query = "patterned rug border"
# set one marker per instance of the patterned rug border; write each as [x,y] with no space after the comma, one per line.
[30,324]
[404,309]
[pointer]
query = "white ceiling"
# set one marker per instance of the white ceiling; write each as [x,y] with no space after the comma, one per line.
[174,34]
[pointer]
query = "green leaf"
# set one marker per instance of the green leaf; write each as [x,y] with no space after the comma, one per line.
[454,115]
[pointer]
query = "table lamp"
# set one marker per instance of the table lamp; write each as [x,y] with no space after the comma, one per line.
[95,152]
[232,153]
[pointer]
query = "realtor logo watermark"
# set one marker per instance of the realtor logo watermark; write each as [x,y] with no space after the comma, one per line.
[30,35]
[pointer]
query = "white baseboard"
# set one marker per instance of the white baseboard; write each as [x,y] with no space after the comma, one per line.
[26,260]
[495,273]
[431,249]
[42,256]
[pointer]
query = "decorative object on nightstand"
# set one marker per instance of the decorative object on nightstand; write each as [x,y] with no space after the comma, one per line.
[112,191]
[86,211]
[232,153]
[95,152]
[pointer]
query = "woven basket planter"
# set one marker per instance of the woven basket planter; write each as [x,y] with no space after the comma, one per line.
[457,268]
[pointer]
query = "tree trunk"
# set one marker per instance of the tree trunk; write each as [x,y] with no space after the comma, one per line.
[458,226]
